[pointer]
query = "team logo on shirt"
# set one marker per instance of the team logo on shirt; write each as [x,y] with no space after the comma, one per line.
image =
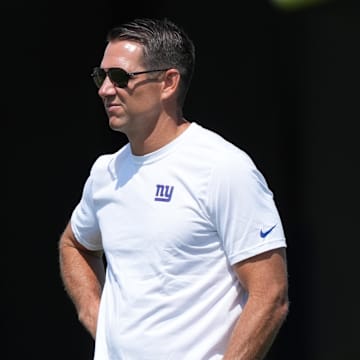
[163,192]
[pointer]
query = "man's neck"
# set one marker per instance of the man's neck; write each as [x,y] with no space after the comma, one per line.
[160,135]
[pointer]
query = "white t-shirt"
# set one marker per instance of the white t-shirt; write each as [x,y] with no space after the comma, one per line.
[171,224]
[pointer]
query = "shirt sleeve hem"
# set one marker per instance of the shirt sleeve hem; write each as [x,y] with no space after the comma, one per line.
[248,253]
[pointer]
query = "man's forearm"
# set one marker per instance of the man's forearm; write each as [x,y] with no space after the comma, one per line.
[83,277]
[256,329]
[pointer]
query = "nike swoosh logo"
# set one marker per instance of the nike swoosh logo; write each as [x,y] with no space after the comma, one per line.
[267,232]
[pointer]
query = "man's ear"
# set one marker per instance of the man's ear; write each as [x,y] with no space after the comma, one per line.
[171,82]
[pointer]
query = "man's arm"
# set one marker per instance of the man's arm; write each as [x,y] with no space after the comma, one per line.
[83,274]
[264,276]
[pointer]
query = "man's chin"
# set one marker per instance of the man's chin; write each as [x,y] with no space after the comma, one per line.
[117,125]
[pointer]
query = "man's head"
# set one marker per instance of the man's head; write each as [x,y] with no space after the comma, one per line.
[165,45]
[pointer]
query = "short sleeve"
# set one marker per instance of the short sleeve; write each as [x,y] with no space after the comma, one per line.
[243,209]
[84,221]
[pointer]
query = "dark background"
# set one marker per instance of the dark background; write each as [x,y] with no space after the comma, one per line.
[283,85]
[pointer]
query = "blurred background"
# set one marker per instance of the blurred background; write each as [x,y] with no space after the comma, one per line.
[278,78]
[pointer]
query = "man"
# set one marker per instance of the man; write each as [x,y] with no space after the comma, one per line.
[194,245]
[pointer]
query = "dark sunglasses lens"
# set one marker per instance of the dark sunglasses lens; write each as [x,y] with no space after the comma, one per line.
[118,77]
[99,76]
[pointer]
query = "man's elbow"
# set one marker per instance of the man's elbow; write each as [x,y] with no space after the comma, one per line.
[282,310]
[281,304]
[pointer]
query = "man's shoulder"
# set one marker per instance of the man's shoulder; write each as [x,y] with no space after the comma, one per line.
[104,161]
[216,145]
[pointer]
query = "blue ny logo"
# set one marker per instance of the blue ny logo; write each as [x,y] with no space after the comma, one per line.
[163,192]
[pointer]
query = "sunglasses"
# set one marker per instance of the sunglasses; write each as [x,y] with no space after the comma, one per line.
[119,77]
